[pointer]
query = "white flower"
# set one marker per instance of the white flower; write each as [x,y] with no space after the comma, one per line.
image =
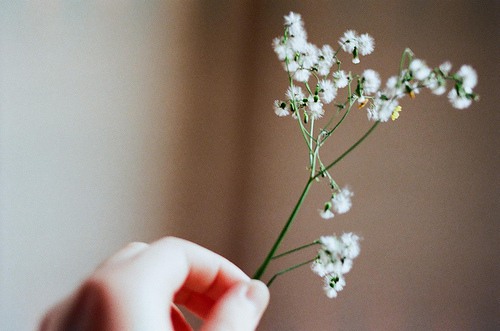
[391,88]
[302,75]
[349,41]
[297,44]
[326,214]
[280,49]
[381,108]
[319,268]
[293,19]
[295,25]
[280,108]
[334,260]
[351,245]
[315,108]
[341,202]
[326,58]
[309,56]
[327,91]
[371,81]
[436,84]
[292,66]
[445,67]
[331,243]
[419,69]
[295,93]
[458,101]
[333,285]
[468,76]
[340,79]
[439,90]
[366,44]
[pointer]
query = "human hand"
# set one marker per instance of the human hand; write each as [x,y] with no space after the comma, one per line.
[140,287]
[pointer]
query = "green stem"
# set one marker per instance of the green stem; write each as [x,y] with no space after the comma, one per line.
[295,249]
[312,154]
[260,271]
[356,144]
[287,270]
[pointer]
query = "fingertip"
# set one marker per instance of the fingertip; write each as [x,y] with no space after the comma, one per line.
[258,294]
[241,308]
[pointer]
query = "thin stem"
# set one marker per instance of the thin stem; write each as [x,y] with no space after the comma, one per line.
[287,270]
[312,154]
[407,53]
[303,130]
[260,271]
[356,144]
[296,249]
[340,121]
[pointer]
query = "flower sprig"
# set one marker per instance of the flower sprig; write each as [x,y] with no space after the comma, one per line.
[315,76]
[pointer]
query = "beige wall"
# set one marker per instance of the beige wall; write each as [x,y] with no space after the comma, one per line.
[134,120]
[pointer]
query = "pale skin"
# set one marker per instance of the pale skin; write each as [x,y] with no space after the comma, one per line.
[142,286]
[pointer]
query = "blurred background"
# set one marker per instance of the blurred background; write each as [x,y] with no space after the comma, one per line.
[131,120]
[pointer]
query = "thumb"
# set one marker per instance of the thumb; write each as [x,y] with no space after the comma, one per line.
[240,309]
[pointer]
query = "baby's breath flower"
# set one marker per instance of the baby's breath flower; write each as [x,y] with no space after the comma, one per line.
[302,75]
[351,245]
[334,260]
[341,202]
[382,108]
[371,81]
[366,44]
[333,285]
[340,79]
[356,44]
[298,44]
[326,59]
[392,90]
[327,91]
[349,41]
[468,76]
[437,84]
[295,93]
[280,108]
[326,214]
[315,108]
[293,19]
[281,50]
[419,69]
[445,67]
[458,101]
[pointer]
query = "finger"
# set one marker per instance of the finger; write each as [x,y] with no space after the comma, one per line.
[184,267]
[128,252]
[179,323]
[172,270]
[240,309]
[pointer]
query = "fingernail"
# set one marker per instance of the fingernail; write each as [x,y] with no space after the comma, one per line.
[258,294]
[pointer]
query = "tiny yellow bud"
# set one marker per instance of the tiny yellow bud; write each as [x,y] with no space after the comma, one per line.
[395,113]
[412,94]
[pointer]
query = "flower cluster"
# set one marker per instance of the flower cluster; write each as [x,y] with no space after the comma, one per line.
[334,260]
[356,44]
[418,75]
[316,76]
